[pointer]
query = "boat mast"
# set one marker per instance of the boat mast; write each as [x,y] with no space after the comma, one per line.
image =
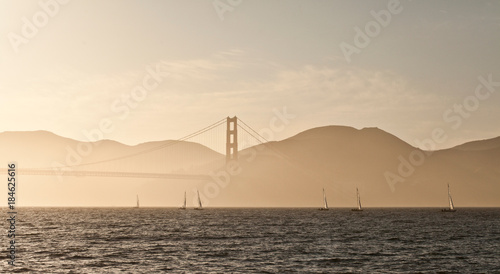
[199,200]
[449,198]
[359,199]
[137,200]
[184,199]
[324,199]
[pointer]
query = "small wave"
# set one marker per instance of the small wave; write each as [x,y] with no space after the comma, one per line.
[23,270]
[218,254]
[56,255]
[120,238]
[79,257]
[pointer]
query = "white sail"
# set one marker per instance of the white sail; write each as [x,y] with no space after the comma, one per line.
[184,205]
[359,199]
[450,199]
[451,207]
[199,200]
[324,199]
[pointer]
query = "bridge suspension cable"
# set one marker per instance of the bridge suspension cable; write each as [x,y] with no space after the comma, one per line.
[254,132]
[167,144]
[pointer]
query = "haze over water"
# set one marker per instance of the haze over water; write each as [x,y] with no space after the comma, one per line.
[268,103]
[153,240]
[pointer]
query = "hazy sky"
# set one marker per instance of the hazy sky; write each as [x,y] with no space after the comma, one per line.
[67,71]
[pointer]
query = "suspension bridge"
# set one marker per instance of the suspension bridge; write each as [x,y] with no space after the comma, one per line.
[191,157]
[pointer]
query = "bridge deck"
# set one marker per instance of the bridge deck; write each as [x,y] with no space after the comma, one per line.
[75,173]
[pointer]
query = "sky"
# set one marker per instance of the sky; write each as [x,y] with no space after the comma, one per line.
[154,70]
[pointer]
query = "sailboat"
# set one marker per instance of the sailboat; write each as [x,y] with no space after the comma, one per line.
[137,206]
[184,205]
[325,206]
[451,208]
[200,206]
[359,202]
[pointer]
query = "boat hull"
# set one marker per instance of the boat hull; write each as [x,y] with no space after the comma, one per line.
[356,209]
[322,208]
[448,210]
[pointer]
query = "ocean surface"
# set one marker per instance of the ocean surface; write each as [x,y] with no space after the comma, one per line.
[165,240]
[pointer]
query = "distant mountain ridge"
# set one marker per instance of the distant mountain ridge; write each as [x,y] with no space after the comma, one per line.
[38,149]
[486,144]
[293,171]
[342,158]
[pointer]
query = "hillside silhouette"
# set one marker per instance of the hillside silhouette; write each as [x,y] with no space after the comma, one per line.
[292,172]
[341,158]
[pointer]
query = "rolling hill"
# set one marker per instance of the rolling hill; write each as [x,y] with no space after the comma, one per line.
[287,173]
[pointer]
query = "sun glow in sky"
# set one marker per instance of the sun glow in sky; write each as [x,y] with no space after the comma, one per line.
[163,69]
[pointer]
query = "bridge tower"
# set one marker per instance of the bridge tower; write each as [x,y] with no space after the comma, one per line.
[232,139]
